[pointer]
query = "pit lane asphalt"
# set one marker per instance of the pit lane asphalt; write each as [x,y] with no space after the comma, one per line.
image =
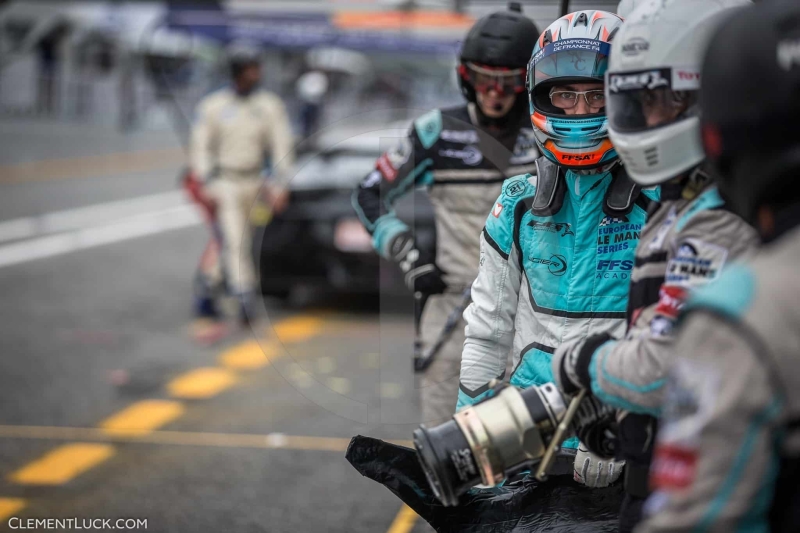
[68,321]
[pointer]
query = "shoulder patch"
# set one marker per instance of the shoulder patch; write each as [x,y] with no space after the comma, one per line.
[429,127]
[517,186]
[710,199]
[732,294]
[500,222]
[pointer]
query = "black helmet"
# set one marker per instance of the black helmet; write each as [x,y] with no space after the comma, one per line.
[242,54]
[503,39]
[751,107]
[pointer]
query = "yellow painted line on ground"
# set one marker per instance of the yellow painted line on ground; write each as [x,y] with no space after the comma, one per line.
[62,464]
[201,383]
[88,166]
[187,438]
[298,329]
[249,355]
[404,521]
[142,417]
[10,507]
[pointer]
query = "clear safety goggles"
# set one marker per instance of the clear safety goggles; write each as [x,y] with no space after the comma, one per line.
[562,99]
[503,81]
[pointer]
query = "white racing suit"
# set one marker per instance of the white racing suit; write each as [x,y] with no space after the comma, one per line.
[235,141]
[463,167]
[684,245]
[727,453]
[557,252]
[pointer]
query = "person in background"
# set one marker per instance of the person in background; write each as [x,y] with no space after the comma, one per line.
[462,155]
[241,135]
[654,123]
[727,451]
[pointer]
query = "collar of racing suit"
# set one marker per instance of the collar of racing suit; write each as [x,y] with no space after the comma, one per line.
[786,220]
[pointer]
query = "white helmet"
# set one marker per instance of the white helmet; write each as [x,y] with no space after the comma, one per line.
[626,7]
[652,86]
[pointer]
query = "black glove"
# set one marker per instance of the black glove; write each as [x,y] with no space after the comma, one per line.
[420,271]
[571,363]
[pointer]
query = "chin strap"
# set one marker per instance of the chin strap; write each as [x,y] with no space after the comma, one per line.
[622,194]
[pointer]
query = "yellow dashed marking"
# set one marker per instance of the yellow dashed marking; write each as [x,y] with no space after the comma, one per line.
[404,521]
[186,438]
[10,507]
[326,365]
[248,355]
[340,385]
[142,417]
[298,329]
[62,464]
[201,383]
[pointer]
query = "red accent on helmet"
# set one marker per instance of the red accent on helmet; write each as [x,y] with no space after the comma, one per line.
[597,16]
[579,159]
[539,121]
[712,141]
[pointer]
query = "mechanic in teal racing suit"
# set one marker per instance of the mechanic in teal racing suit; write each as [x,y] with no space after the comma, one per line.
[557,249]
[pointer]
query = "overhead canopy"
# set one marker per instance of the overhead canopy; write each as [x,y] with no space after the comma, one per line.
[431,32]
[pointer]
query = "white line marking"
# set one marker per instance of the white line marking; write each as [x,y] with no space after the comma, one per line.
[131,227]
[89,216]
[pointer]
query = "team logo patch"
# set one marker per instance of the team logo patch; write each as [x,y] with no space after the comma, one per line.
[556,265]
[615,235]
[564,228]
[498,209]
[695,263]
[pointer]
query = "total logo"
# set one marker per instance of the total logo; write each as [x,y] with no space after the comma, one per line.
[614,268]
[557,264]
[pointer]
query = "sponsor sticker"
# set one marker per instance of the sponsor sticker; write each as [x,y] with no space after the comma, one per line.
[636,81]
[384,165]
[788,53]
[562,228]
[670,301]
[469,155]
[498,209]
[463,136]
[695,263]
[691,394]
[635,46]
[556,264]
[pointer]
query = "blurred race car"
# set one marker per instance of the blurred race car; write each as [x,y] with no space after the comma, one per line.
[318,241]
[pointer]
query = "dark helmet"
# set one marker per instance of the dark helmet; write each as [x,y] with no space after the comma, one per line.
[501,40]
[750,107]
[241,55]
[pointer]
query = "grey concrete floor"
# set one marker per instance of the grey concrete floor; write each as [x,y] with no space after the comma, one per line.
[69,321]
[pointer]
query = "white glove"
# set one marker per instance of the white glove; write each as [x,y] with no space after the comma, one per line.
[595,471]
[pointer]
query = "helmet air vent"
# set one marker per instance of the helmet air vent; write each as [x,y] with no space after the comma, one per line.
[581,19]
[548,37]
[651,156]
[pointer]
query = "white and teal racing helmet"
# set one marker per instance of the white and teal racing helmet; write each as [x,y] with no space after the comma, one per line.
[572,51]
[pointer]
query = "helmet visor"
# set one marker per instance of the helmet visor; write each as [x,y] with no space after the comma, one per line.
[571,59]
[645,100]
